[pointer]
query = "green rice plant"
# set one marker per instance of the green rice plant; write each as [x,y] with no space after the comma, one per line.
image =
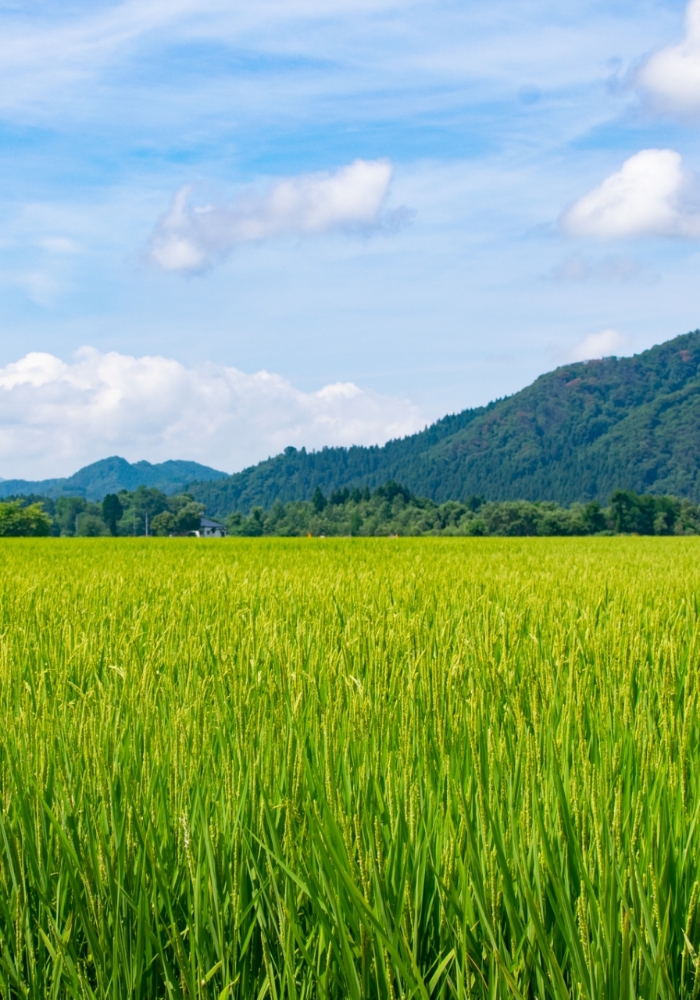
[305,768]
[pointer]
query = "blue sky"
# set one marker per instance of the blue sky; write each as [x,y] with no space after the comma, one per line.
[394,209]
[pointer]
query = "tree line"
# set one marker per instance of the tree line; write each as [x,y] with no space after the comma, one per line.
[145,510]
[390,509]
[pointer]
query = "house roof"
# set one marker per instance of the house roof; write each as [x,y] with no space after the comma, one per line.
[207,522]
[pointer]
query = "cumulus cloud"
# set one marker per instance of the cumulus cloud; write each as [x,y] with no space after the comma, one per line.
[191,238]
[671,77]
[599,345]
[56,416]
[652,195]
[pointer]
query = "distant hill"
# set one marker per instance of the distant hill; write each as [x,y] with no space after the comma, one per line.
[113,474]
[575,434]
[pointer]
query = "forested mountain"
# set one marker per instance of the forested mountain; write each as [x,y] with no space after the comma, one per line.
[110,475]
[575,434]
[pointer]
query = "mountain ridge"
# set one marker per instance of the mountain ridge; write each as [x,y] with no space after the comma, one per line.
[110,475]
[575,434]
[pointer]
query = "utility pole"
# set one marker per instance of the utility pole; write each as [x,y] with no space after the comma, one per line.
[146,524]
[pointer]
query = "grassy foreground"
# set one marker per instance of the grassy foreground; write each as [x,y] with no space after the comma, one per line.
[353,768]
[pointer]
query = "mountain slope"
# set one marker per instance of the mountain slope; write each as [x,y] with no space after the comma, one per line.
[576,433]
[113,474]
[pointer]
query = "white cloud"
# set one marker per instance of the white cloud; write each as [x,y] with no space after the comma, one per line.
[189,238]
[57,416]
[671,76]
[599,345]
[652,195]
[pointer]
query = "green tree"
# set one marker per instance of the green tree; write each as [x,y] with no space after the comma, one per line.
[593,518]
[668,512]
[318,501]
[633,513]
[67,510]
[390,490]
[90,525]
[256,522]
[18,521]
[189,517]
[515,517]
[163,523]
[112,511]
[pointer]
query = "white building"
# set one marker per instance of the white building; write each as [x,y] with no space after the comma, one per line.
[209,529]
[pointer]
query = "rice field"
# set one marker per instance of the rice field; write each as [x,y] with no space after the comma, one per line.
[350,768]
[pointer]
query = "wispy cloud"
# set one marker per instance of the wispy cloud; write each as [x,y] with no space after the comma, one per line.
[58,245]
[55,416]
[41,286]
[190,238]
[653,194]
[109,107]
[610,270]
[670,78]
[599,345]
[62,63]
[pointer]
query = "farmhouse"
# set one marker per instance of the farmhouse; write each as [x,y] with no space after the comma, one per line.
[209,529]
